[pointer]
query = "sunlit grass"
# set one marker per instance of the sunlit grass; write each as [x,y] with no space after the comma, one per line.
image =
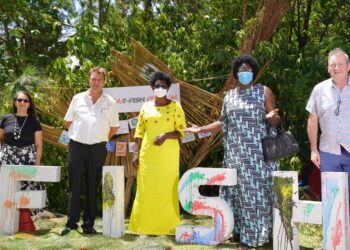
[48,237]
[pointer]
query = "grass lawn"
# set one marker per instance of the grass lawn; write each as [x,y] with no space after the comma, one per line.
[48,237]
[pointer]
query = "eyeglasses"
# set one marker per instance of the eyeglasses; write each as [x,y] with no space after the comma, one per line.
[22,100]
[244,70]
[337,110]
[160,86]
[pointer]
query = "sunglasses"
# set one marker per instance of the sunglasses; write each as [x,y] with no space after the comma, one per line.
[337,110]
[22,100]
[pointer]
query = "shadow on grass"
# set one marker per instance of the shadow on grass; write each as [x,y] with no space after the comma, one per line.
[130,237]
[42,232]
[48,237]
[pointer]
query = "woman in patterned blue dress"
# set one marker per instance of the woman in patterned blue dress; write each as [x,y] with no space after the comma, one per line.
[247,113]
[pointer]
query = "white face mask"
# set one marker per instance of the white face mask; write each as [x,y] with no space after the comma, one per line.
[160,92]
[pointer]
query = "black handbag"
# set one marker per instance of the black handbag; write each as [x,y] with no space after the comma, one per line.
[282,145]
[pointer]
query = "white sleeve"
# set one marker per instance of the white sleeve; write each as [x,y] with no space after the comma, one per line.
[114,120]
[70,112]
[311,105]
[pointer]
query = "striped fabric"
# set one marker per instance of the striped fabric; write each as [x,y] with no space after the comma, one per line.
[244,125]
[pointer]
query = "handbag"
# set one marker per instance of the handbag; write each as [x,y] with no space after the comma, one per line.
[282,145]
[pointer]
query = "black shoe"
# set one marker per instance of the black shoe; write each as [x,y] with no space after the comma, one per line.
[89,230]
[65,231]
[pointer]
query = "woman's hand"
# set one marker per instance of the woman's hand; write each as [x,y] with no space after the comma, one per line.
[160,139]
[273,117]
[135,160]
[193,129]
[38,138]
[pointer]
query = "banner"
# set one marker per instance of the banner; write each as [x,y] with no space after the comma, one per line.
[130,99]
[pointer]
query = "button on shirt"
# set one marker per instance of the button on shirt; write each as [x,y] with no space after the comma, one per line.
[91,122]
[335,128]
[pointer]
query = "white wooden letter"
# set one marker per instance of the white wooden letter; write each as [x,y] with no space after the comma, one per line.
[113,201]
[196,204]
[287,209]
[334,210]
[11,198]
[335,197]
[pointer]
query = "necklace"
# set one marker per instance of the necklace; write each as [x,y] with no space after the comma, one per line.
[18,130]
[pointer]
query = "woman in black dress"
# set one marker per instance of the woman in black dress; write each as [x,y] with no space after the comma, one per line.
[21,137]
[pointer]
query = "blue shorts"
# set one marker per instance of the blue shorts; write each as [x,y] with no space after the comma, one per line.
[336,163]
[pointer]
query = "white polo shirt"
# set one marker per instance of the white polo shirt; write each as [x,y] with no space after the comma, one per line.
[91,122]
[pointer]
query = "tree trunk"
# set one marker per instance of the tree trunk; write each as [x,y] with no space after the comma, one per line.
[303,23]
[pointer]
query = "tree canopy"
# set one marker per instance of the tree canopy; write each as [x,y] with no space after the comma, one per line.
[57,41]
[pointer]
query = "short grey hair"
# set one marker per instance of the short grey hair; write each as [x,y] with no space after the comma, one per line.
[338,51]
[98,70]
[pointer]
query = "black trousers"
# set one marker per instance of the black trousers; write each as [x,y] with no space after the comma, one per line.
[83,160]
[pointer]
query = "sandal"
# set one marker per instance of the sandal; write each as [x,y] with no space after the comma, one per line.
[235,238]
[243,246]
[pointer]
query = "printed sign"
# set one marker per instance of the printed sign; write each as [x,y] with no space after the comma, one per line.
[133,122]
[131,147]
[123,127]
[64,139]
[120,149]
[130,99]
[188,137]
[204,135]
[110,146]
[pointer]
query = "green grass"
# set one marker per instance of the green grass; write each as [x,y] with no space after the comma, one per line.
[48,237]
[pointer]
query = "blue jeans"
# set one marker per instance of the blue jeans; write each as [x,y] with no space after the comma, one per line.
[336,163]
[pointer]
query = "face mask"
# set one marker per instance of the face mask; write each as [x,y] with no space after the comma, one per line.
[160,92]
[245,77]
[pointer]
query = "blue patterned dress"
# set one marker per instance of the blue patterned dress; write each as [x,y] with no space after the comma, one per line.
[243,126]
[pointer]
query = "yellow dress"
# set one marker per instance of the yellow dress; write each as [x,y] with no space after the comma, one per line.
[156,205]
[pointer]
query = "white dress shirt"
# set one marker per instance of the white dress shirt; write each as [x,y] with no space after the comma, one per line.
[91,123]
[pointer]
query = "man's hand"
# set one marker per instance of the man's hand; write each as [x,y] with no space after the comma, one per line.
[315,158]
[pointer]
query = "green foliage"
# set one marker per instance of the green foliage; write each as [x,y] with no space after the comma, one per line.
[31,32]
[292,163]
[197,39]
[57,192]
[28,81]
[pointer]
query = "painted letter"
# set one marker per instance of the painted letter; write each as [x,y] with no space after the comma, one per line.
[196,204]
[335,196]
[11,198]
[113,201]
[288,210]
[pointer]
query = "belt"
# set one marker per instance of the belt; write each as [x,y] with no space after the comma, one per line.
[103,142]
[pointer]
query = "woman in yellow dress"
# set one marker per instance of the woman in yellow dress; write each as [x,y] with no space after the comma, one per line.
[161,124]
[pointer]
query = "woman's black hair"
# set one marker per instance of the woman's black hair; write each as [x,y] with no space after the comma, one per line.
[31,109]
[159,75]
[247,59]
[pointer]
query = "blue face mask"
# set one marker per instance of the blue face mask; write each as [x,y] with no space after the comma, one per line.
[245,77]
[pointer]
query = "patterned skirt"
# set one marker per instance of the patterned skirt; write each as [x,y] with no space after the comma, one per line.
[12,155]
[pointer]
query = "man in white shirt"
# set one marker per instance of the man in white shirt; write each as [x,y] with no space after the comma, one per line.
[328,107]
[91,120]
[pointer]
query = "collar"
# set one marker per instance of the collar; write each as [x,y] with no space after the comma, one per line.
[331,83]
[104,94]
